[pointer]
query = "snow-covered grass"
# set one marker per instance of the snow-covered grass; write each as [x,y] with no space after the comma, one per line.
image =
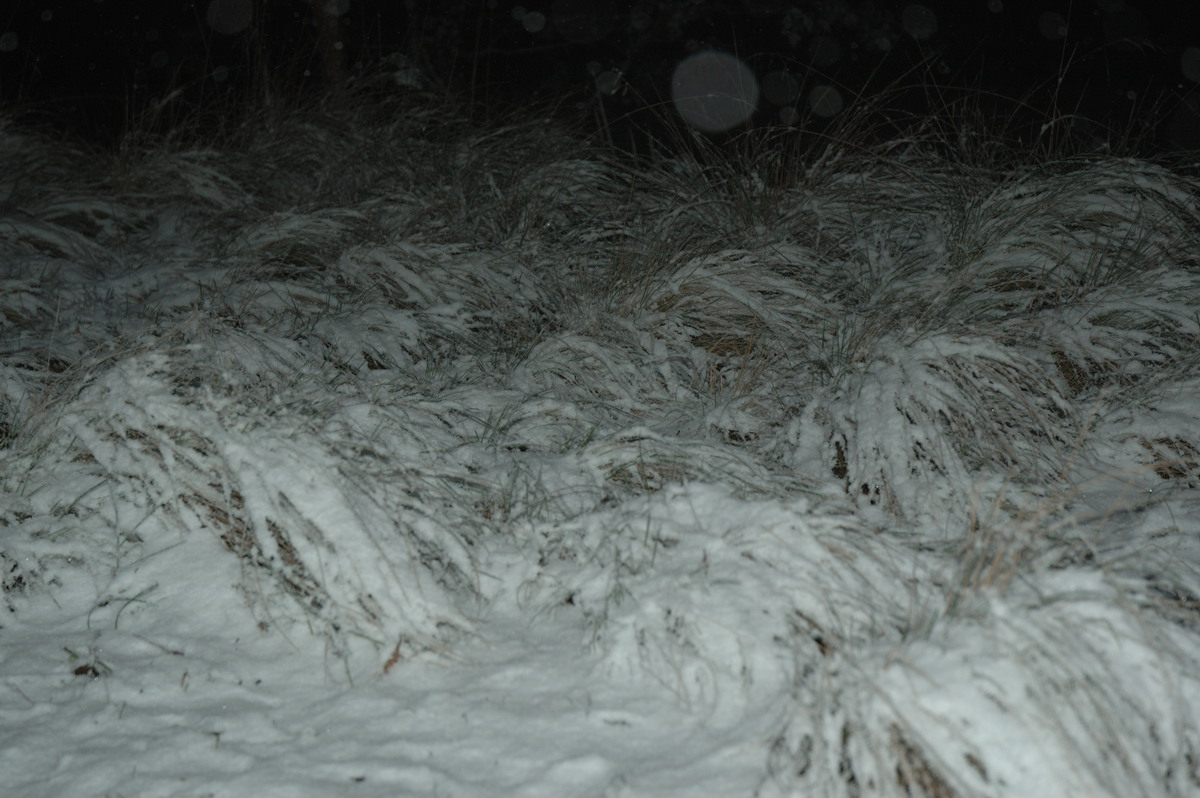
[373,453]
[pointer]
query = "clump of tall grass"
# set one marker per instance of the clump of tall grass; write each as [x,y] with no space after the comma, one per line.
[854,406]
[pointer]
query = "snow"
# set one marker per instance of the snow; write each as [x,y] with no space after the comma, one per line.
[492,467]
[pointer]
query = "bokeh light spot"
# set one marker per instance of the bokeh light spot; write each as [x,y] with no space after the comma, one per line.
[1189,62]
[609,82]
[919,21]
[336,8]
[995,6]
[228,17]
[9,42]
[826,101]
[534,22]
[1052,25]
[714,91]
[641,19]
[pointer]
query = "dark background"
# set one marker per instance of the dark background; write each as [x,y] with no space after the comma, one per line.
[92,66]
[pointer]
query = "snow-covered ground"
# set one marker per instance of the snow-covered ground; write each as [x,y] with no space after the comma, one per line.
[379,457]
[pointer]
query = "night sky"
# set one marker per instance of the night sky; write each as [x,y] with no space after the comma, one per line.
[90,65]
